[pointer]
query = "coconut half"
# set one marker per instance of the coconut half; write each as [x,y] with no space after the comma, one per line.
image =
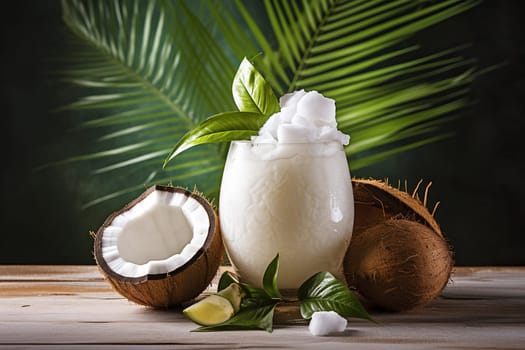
[162,249]
[376,202]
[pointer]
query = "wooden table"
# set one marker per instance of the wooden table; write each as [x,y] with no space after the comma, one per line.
[72,307]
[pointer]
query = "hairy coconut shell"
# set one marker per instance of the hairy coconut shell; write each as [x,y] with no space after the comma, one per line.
[376,201]
[175,287]
[398,264]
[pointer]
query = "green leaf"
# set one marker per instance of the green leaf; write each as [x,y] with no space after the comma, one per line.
[270,278]
[142,64]
[254,297]
[250,318]
[251,92]
[226,279]
[324,292]
[222,127]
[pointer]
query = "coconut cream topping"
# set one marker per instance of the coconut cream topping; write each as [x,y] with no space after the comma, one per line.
[305,117]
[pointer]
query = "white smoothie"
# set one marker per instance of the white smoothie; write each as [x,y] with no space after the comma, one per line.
[289,191]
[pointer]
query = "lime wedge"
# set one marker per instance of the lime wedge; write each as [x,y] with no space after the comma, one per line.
[210,311]
[234,294]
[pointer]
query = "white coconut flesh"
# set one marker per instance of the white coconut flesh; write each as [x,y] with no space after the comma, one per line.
[157,235]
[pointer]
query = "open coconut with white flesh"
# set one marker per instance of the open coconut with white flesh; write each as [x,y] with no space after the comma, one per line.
[162,249]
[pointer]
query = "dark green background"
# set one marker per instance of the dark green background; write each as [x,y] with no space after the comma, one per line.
[477,175]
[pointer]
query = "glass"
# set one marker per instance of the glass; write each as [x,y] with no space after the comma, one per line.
[292,199]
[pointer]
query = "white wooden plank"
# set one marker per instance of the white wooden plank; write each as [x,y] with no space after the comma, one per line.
[49,273]
[481,309]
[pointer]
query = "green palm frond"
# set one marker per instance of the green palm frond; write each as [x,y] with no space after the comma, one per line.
[154,69]
[348,50]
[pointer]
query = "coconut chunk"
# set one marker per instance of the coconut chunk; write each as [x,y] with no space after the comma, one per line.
[326,323]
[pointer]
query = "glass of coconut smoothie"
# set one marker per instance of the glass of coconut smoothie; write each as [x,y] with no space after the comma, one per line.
[288,191]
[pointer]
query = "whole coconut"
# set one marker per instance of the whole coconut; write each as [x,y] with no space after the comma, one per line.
[398,264]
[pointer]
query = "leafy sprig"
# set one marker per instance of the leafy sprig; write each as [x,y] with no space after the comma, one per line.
[251,92]
[324,292]
[321,292]
[255,100]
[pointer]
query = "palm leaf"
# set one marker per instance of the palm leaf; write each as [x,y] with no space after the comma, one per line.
[156,69]
[347,51]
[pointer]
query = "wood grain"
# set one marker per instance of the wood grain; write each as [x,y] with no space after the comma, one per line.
[72,307]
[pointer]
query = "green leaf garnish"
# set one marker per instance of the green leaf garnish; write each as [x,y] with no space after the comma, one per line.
[255,297]
[321,292]
[226,279]
[270,278]
[256,102]
[249,318]
[324,292]
[222,127]
[251,92]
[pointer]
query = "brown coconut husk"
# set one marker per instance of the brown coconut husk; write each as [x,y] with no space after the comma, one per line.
[376,201]
[399,264]
[175,287]
[398,257]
